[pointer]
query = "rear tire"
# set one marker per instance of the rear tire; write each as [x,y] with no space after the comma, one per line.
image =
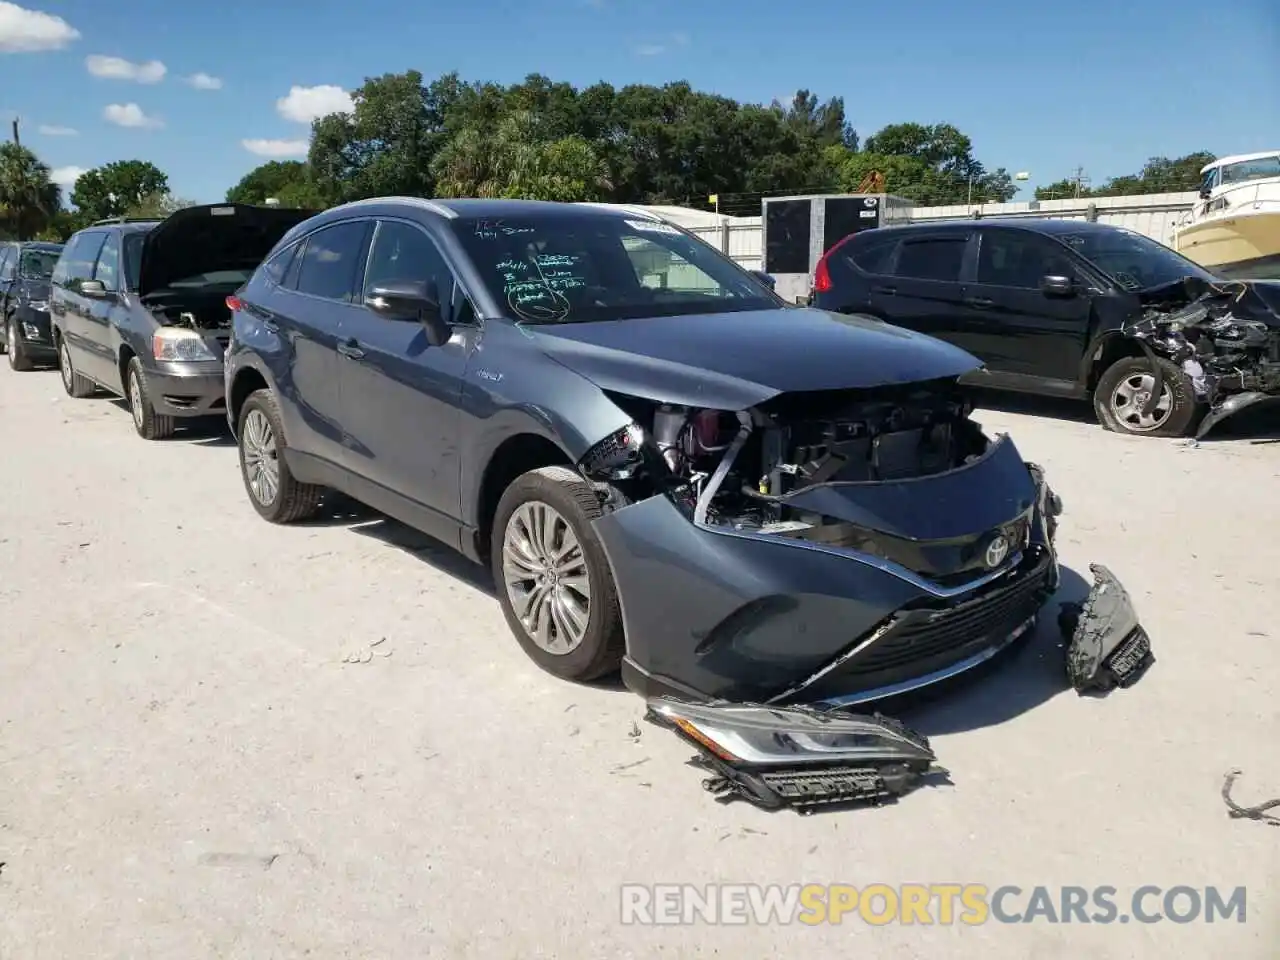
[548,561]
[17,349]
[149,424]
[272,489]
[76,385]
[1123,388]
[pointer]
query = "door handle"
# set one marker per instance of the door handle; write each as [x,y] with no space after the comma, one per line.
[980,302]
[887,291]
[350,350]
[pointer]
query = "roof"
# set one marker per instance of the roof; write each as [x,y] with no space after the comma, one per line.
[497,209]
[1239,158]
[1051,226]
[36,245]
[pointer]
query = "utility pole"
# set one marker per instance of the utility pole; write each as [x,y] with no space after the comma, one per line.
[22,180]
[1079,179]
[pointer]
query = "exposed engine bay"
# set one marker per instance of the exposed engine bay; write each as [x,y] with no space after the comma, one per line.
[194,310]
[742,469]
[1215,334]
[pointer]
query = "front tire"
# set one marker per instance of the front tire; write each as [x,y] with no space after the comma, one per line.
[1124,388]
[271,487]
[552,576]
[17,349]
[149,424]
[76,385]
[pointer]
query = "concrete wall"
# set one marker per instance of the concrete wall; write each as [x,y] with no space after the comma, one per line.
[1153,215]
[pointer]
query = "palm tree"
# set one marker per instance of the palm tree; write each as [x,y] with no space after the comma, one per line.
[28,198]
[516,162]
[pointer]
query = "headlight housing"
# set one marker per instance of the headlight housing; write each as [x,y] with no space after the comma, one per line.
[41,306]
[180,344]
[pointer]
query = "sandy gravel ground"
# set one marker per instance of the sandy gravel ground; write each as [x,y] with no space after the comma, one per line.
[189,769]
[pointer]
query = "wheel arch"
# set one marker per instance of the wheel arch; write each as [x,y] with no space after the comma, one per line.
[515,456]
[246,381]
[1105,351]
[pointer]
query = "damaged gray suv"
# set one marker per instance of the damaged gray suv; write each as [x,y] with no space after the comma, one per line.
[668,468]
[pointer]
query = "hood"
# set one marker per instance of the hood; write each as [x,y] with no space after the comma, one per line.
[222,236]
[1245,299]
[731,361]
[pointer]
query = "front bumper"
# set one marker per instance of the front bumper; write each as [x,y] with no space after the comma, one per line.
[187,389]
[715,615]
[36,332]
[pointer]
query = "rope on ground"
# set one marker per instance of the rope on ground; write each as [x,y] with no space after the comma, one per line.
[1237,812]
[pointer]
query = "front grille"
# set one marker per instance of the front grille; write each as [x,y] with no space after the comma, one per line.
[927,634]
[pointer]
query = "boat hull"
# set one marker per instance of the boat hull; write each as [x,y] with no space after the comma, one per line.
[1241,247]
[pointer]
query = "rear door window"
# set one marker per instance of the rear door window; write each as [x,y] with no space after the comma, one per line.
[330,262]
[875,257]
[1013,258]
[934,258]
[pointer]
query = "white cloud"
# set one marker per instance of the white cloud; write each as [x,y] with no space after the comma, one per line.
[276,148]
[681,39]
[116,68]
[52,130]
[130,115]
[30,31]
[66,177]
[650,49]
[202,81]
[304,104]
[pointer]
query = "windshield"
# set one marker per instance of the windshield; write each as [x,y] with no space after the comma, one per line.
[1251,170]
[1132,260]
[573,268]
[38,264]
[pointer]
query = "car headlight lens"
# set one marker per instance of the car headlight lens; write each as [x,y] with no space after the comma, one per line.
[179,343]
[30,331]
[39,305]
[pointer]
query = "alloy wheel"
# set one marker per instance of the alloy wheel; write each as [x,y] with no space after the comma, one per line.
[260,457]
[135,399]
[545,571]
[1131,395]
[64,366]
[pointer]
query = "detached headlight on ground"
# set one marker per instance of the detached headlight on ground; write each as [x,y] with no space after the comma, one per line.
[179,343]
[798,756]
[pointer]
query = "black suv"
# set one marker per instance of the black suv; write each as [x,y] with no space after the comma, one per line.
[139,306]
[1066,308]
[666,466]
[25,334]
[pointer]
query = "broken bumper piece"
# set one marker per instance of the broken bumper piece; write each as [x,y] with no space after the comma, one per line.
[1106,645]
[797,757]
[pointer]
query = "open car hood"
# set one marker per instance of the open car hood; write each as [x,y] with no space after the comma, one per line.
[732,361]
[219,236]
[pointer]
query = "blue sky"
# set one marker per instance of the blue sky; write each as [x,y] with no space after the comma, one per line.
[1099,84]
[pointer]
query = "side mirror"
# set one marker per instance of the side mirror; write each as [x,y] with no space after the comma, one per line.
[412,300]
[765,278]
[93,288]
[1205,193]
[1056,286]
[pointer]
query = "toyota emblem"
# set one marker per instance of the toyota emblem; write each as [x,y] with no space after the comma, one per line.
[997,550]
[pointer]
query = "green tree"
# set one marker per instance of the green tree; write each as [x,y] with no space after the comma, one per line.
[1158,175]
[288,181]
[157,206]
[517,161]
[114,188]
[29,200]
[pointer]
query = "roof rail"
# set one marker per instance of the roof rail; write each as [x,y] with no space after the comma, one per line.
[103,222]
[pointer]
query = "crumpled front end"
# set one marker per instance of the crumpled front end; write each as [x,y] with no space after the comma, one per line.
[1224,337]
[823,550]
[776,757]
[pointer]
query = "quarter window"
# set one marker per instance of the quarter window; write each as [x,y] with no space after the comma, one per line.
[277,266]
[7,257]
[875,257]
[330,261]
[939,258]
